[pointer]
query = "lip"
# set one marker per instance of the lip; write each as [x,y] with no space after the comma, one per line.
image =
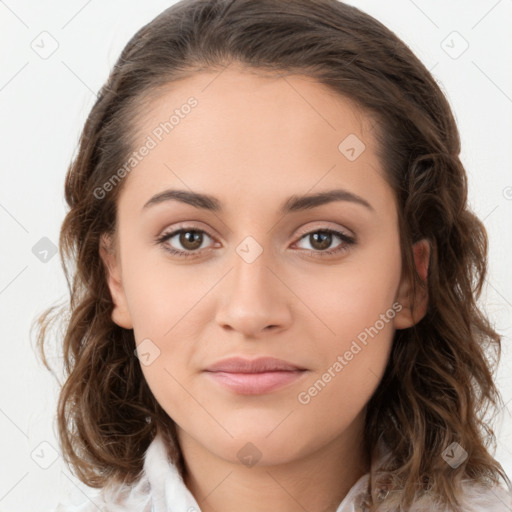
[256,376]
[259,365]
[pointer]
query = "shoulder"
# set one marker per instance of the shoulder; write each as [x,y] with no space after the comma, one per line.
[120,499]
[480,498]
[476,498]
[158,486]
[116,498]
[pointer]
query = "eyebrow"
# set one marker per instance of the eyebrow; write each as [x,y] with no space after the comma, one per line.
[292,204]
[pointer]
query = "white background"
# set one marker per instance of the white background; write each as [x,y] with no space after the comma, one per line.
[44,103]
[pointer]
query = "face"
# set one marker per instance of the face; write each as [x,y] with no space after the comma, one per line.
[257,269]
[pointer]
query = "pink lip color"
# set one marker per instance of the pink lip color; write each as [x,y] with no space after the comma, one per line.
[255,383]
[254,377]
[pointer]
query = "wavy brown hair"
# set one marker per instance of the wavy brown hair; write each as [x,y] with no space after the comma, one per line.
[438,385]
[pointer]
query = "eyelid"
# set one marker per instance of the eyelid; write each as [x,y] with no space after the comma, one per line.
[347,240]
[184,226]
[168,233]
[325,225]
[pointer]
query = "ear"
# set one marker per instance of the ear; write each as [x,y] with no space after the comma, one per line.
[406,317]
[120,313]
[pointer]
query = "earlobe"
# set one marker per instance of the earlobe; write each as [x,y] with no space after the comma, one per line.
[407,317]
[120,312]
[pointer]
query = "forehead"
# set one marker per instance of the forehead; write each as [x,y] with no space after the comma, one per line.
[256,133]
[245,103]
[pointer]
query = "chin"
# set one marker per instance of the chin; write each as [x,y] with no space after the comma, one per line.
[257,451]
[265,442]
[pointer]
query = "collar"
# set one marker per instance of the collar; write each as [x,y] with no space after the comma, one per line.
[161,489]
[170,494]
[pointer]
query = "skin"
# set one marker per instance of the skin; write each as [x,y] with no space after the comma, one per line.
[253,141]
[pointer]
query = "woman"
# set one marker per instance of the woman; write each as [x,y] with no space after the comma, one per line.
[273,304]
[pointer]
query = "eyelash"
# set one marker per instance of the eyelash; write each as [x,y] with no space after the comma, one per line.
[348,241]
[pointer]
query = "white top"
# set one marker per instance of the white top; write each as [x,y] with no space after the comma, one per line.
[161,489]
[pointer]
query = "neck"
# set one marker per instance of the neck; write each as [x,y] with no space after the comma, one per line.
[317,482]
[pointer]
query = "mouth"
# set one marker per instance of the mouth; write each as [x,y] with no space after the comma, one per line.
[254,377]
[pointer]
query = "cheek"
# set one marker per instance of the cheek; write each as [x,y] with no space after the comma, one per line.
[160,299]
[159,293]
[354,364]
[355,295]
[359,308]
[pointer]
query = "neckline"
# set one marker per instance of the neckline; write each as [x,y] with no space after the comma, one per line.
[169,489]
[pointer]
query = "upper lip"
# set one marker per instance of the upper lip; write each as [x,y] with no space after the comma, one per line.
[259,365]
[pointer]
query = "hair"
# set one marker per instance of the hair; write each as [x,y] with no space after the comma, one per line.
[438,385]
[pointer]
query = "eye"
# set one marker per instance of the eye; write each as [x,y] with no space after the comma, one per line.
[190,241]
[322,239]
[190,238]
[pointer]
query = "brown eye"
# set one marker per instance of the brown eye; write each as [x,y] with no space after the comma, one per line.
[321,240]
[190,240]
[183,242]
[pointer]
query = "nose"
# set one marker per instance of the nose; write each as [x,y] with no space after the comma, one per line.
[254,298]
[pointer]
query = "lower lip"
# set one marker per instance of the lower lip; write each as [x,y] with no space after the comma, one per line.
[256,383]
